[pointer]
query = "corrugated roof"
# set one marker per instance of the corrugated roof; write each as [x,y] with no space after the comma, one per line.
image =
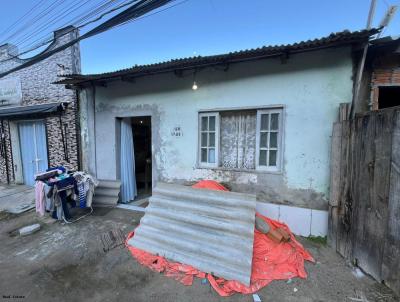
[335,39]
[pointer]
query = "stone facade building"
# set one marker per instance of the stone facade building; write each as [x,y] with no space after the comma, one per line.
[32,106]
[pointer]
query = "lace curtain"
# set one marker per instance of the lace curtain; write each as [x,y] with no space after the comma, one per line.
[238,139]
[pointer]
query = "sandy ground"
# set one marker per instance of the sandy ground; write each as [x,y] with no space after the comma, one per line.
[67,263]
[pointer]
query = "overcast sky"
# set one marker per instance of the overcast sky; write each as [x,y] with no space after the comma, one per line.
[204,27]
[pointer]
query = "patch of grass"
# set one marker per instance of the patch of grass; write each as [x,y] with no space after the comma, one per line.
[318,239]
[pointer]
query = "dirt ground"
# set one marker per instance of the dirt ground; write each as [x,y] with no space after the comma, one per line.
[67,263]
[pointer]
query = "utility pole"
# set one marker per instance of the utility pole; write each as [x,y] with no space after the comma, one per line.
[362,62]
[387,18]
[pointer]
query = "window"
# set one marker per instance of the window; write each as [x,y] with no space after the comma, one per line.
[388,96]
[241,139]
[209,139]
[238,139]
[269,139]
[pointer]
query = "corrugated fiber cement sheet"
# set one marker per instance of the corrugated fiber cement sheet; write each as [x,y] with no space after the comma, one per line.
[212,231]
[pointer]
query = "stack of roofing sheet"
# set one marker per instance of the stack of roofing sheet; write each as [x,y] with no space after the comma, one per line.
[211,230]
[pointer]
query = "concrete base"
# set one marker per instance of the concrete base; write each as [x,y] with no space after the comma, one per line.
[301,221]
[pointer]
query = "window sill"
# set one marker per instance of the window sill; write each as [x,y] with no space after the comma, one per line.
[254,171]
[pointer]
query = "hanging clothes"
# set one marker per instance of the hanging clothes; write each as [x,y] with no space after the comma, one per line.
[127,156]
[86,185]
[39,197]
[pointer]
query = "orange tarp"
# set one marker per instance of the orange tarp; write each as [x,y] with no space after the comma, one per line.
[271,260]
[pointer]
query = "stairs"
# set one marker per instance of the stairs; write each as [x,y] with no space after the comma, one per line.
[107,193]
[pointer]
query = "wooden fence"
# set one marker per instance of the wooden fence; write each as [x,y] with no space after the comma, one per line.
[364,206]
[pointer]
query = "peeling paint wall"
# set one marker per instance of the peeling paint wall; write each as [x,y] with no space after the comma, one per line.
[310,86]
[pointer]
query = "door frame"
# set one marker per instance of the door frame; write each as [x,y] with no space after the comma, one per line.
[117,121]
[16,147]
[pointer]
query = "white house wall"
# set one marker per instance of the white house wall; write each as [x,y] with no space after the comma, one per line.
[310,86]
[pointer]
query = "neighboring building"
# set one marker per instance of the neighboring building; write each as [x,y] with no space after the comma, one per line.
[382,74]
[260,121]
[38,120]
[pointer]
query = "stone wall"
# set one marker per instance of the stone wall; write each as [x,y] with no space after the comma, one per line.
[37,88]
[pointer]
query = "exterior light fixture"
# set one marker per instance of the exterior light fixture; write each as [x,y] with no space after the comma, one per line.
[194,86]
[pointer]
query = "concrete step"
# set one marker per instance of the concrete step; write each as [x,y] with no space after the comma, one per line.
[105,200]
[107,193]
[112,184]
[111,192]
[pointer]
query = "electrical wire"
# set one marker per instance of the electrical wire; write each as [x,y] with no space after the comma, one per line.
[84,17]
[37,46]
[136,10]
[75,5]
[22,17]
[43,40]
[155,13]
[35,19]
[59,15]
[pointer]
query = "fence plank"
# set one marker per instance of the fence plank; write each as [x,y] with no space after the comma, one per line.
[364,204]
[391,259]
[333,221]
[342,230]
[334,191]
[371,189]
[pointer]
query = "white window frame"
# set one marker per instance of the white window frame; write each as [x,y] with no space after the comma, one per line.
[279,153]
[204,164]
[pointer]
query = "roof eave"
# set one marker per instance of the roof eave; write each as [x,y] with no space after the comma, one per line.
[78,81]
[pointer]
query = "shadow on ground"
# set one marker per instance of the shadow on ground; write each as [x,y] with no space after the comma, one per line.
[66,262]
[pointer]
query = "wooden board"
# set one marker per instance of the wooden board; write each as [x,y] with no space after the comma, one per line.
[370,190]
[391,258]
[342,230]
[334,189]
[364,205]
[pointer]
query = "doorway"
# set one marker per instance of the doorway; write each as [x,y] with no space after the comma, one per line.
[32,136]
[135,160]
[141,127]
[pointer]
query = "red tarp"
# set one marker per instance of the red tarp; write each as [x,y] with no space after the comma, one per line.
[271,260]
[210,185]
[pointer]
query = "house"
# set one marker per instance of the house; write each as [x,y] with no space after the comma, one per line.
[38,120]
[257,120]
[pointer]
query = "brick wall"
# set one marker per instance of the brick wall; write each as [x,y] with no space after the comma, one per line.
[386,71]
[37,88]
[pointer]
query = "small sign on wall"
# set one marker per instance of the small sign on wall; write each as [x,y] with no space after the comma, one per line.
[10,91]
[177,131]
